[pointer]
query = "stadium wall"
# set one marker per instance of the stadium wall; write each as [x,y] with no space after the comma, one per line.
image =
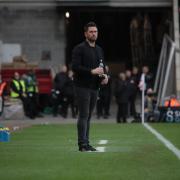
[41,34]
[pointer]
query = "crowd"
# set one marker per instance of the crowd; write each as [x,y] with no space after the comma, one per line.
[24,88]
[63,93]
[125,89]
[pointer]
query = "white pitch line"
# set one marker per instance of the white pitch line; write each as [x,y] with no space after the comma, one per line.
[101,142]
[100,149]
[167,143]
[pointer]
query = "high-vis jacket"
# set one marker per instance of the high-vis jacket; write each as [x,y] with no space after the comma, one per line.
[23,85]
[32,87]
[18,87]
[173,102]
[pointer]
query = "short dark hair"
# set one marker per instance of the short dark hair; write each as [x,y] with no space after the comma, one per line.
[90,24]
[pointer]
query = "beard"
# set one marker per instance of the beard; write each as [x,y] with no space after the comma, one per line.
[92,39]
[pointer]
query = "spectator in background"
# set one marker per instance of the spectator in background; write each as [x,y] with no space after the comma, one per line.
[15,86]
[132,90]
[18,90]
[135,75]
[122,97]
[69,93]
[55,100]
[60,81]
[32,95]
[135,78]
[148,78]
[104,98]
[151,113]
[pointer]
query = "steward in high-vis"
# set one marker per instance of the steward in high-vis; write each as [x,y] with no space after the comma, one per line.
[15,86]
[18,90]
[32,95]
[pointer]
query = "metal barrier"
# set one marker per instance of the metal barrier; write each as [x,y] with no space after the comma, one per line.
[165,76]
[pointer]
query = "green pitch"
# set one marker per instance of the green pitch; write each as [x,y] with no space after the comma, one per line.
[49,152]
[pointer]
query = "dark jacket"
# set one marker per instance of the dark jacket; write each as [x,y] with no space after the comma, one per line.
[132,87]
[149,80]
[121,91]
[69,88]
[60,81]
[84,59]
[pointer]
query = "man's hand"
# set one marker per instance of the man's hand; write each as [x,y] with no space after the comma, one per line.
[97,71]
[105,80]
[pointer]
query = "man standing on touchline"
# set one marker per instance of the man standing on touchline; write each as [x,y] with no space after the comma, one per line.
[89,73]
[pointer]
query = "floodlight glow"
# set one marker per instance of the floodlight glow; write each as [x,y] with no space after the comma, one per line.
[67,14]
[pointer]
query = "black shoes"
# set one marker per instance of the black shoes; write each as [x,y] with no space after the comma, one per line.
[83,148]
[90,148]
[87,148]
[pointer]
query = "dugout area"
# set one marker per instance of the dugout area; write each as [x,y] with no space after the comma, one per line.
[114,32]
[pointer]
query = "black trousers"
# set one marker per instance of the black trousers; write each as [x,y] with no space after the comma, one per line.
[86,101]
[59,100]
[25,105]
[32,105]
[1,105]
[71,103]
[122,112]
[103,105]
[132,105]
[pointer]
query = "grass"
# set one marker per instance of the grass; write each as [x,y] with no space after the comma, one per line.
[171,131]
[49,152]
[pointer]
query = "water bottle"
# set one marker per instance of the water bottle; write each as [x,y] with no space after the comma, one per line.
[101,64]
[4,134]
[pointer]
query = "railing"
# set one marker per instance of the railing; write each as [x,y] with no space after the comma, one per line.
[165,76]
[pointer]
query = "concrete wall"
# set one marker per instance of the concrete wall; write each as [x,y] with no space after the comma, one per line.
[37,31]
